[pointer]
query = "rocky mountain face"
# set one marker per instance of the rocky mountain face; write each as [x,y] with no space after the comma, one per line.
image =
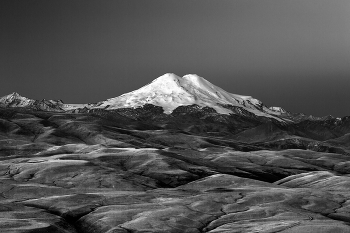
[190,158]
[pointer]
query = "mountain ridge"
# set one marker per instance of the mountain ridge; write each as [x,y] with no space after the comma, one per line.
[169,91]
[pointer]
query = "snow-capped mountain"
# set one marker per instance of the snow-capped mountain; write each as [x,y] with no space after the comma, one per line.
[171,91]
[15,100]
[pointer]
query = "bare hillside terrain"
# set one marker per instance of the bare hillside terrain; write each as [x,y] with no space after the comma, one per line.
[194,170]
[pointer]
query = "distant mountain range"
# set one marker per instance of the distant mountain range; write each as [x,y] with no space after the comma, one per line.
[170,91]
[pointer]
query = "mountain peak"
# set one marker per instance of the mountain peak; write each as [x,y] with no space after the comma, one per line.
[196,80]
[13,95]
[15,100]
[167,76]
[193,77]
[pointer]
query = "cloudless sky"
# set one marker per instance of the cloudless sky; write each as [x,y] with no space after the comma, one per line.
[293,54]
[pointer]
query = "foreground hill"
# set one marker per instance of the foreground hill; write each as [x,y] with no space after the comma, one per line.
[140,170]
[188,168]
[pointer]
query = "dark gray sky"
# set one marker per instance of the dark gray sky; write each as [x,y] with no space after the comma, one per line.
[293,54]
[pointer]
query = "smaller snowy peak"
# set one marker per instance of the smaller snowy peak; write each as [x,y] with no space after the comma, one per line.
[15,100]
[198,81]
[12,96]
[278,109]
